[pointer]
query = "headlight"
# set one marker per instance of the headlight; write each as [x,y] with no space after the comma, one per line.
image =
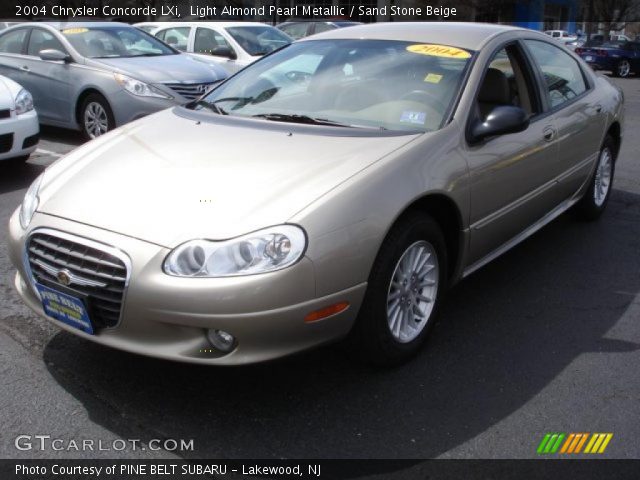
[30,203]
[24,102]
[136,87]
[263,251]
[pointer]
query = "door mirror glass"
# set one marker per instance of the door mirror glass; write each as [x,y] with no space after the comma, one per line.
[53,55]
[501,120]
[224,52]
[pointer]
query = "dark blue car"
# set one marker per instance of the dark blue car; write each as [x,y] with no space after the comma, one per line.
[620,58]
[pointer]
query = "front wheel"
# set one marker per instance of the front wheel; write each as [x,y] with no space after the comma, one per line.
[96,116]
[405,288]
[597,195]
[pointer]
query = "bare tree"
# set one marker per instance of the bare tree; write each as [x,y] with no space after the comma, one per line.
[616,13]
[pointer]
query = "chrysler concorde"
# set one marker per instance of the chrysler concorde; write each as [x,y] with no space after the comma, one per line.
[332,190]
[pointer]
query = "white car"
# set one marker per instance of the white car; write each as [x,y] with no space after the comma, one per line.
[562,36]
[232,45]
[19,129]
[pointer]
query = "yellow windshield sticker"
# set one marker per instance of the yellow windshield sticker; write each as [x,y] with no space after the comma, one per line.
[433,78]
[439,51]
[71,31]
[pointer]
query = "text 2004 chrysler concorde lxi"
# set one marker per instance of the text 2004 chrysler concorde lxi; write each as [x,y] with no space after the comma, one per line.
[331,190]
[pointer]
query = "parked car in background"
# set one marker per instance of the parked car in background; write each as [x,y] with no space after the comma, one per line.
[562,36]
[95,76]
[621,58]
[303,28]
[334,189]
[18,122]
[234,45]
[7,23]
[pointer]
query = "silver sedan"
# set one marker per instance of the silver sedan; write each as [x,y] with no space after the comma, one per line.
[332,190]
[96,76]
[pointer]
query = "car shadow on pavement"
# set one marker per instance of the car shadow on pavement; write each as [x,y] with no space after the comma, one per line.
[17,175]
[503,335]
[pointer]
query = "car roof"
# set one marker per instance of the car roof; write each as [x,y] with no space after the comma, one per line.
[85,24]
[464,35]
[206,23]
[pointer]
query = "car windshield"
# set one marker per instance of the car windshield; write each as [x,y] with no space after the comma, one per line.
[381,84]
[259,39]
[115,42]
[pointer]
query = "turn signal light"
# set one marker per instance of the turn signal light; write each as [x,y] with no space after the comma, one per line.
[326,312]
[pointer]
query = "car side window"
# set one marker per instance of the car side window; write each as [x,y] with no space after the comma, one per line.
[562,74]
[209,41]
[295,30]
[13,42]
[178,38]
[507,81]
[323,27]
[42,40]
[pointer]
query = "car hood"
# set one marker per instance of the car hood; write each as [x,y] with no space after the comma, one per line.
[178,68]
[167,179]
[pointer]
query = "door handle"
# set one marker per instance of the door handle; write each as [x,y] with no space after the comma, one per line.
[24,68]
[549,133]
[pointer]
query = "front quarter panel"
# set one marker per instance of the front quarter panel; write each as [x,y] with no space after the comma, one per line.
[347,225]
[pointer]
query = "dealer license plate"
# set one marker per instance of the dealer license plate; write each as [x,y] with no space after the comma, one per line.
[65,308]
[589,58]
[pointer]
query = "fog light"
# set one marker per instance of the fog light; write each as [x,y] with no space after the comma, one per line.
[221,340]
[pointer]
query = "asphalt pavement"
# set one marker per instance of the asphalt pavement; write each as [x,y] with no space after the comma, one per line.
[544,339]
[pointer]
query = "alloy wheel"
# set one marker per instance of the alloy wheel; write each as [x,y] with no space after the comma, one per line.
[624,68]
[412,291]
[96,122]
[604,173]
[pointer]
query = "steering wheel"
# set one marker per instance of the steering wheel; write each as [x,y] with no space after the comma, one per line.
[422,95]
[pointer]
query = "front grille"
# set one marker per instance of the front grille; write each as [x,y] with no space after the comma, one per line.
[190,90]
[30,141]
[48,253]
[6,142]
[5,113]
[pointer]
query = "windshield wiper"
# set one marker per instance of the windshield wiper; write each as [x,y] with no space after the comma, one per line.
[295,118]
[209,106]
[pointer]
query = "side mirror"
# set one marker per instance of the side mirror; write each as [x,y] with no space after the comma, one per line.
[53,55]
[224,52]
[500,121]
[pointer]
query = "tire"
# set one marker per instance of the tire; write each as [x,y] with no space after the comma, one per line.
[623,69]
[372,337]
[96,116]
[595,199]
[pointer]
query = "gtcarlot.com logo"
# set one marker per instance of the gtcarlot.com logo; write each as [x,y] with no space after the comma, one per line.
[573,443]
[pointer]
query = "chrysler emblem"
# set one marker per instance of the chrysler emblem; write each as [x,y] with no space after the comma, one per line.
[64,277]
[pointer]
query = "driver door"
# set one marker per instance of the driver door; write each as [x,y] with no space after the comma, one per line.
[49,82]
[512,176]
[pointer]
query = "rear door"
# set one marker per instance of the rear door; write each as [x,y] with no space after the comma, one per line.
[576,112]
[48,81]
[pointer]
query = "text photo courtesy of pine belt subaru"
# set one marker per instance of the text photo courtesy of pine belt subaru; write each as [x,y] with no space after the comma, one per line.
[19,129]
[95,76]
[234,45]
[330,191]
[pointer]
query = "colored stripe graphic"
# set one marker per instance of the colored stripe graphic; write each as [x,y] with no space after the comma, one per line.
[572,443]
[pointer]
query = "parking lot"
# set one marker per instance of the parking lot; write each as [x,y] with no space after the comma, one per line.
[544,339]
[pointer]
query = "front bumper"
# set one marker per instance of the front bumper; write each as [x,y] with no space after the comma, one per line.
[167,317]
[127,107]
[22,127]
